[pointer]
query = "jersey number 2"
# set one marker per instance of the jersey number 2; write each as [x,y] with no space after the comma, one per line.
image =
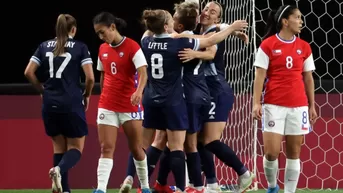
[67,58]
[157,66]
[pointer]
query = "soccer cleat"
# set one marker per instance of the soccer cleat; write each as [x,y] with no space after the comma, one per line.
[145,190]
[126,186]
[245,182]
[158,188]
[212,190]
[98,191]
[194,190]
[56,178]
[274,190]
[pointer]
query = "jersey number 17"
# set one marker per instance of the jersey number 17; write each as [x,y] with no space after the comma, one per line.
[67,58]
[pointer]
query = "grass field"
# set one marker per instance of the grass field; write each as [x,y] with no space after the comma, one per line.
[133,191]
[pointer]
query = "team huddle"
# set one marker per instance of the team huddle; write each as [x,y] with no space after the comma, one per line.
[170,95]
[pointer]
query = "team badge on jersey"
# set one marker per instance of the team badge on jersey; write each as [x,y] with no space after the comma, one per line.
[299,51]
[121,54]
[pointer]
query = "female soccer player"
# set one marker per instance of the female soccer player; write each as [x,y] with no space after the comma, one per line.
[120,58]
[221,104]
[64,104]
[163,99]
[288,103]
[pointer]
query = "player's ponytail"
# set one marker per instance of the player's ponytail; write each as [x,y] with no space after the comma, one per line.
[64,25]
[120,24]
[271,25]
[274,21]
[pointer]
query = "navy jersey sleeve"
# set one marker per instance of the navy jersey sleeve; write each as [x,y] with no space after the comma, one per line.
[145,40]
[38,55]
[85,55]
[192,43]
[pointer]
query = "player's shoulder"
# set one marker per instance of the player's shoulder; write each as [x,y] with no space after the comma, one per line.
[145,40]
[131,44]
[78,42]
[103,46]
[268,44]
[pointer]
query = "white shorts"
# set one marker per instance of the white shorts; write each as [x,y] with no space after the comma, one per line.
[285,120]
[107,117]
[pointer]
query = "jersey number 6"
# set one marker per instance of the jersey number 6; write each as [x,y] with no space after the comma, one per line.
[157,66]
[67,58]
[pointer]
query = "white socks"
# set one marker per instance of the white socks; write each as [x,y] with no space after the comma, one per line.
[142,172]
[292,173]
[104,170]
[270,171]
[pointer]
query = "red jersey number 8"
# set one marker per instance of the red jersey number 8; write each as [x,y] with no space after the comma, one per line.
[289,62]
[113,68]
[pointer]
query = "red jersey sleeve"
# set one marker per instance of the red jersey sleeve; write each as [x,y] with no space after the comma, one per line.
[99,66]
[308,62]
[262,56]
[137,55]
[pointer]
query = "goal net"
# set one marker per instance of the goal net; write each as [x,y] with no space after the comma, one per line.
[322,151]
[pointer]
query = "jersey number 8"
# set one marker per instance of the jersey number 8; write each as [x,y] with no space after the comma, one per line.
[67,58]
[157,66]
[289,62]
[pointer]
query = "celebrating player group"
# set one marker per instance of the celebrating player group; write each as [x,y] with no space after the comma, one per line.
[170,95]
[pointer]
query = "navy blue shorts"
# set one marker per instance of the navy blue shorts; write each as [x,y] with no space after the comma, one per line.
[70,124]
[197,114]
[166,117]
[220,107]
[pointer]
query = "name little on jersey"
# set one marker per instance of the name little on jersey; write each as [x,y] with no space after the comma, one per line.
[158,45]
[67,45]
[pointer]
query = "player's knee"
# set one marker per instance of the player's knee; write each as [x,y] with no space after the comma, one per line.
[137,152]
[190,147]
[107,148]
[271,156]
[293,152]
[160,140]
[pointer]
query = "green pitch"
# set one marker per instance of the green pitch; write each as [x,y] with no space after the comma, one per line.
[133,191]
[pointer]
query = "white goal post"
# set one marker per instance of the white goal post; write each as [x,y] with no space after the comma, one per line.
[322,151]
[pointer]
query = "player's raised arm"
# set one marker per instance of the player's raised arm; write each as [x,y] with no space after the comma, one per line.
[238,25]
[31,68]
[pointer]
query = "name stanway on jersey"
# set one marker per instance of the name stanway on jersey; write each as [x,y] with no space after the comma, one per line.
[285,61]
[119,63]
[62,89]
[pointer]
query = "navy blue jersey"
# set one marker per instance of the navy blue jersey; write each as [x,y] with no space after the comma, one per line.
[215,69]
[62,90]
[194,82]
[164,85]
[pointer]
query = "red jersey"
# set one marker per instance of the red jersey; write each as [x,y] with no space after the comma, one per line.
[119,63]
[285,61]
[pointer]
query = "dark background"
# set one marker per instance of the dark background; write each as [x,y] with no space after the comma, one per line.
[29,24]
